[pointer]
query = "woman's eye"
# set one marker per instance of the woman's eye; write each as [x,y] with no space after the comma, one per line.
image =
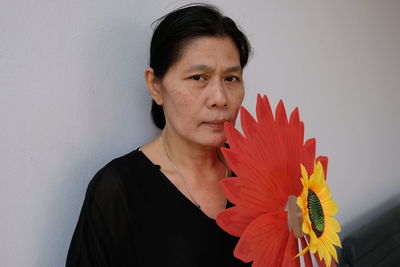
[232,79]
[197,78]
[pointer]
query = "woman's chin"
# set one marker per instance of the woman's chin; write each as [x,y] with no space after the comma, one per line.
[215,140]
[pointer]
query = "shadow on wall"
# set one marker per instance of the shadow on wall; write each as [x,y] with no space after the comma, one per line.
[374,238]
[372,214]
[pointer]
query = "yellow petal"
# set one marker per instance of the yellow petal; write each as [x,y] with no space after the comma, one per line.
[321,168]
[299,202]
[304,174]
[311,181]
[305,194]
[325,254]
[330,248]
[303,251]
[305,227]
[330,208]
[317,183]
[313,242]
[303,182]
[313,249]
[320,249]
[332,224]
[332,237]
[324,194]
[328,258]
[317,178]
[313,238]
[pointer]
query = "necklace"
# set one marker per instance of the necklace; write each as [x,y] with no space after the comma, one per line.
[183,178]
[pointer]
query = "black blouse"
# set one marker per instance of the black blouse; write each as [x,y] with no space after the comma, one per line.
[134,216]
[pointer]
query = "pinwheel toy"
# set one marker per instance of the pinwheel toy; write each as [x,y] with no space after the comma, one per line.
[279,192]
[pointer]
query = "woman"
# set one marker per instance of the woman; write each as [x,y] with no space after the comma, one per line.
[156,206]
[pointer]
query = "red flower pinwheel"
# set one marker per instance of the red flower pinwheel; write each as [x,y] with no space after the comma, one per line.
[268,162]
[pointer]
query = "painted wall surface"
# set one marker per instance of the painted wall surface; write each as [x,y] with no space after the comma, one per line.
[72,98]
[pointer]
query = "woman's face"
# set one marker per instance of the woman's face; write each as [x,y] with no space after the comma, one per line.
[202,90]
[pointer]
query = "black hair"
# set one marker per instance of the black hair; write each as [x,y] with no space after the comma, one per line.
[181,25]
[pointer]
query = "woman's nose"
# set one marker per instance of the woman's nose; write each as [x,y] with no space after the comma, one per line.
[218,97]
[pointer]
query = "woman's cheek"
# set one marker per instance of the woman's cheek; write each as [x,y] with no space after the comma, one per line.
[238,99]
[186,108]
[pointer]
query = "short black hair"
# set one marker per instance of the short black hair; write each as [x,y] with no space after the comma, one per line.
[178,27]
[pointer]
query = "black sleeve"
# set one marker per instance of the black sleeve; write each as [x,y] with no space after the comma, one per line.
[102,236]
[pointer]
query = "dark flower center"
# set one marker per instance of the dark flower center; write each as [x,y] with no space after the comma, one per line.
[316,213]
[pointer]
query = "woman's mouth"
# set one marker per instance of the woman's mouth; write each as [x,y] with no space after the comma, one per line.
[215,124]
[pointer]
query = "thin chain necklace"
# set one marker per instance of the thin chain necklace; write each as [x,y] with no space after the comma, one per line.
[183,178]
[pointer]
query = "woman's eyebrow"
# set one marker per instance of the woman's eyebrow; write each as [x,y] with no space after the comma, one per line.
[234,69]
[201,67]
[207,68]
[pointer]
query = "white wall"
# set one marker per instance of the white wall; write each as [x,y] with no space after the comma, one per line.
[72,98]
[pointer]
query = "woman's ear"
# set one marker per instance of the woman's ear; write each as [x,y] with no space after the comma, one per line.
[153,85]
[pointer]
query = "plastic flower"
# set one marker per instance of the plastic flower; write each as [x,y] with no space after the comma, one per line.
[266,160]
[318,208]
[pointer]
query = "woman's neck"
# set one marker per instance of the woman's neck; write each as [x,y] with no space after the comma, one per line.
[189,156]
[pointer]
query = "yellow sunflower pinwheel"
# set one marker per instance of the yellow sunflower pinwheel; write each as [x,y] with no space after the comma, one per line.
[318,210]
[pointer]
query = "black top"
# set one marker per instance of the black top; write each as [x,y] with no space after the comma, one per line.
[134,216]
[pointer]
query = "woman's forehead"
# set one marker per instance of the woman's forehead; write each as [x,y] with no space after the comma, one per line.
[204,53]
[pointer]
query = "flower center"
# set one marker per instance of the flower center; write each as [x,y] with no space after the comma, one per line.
[316,213]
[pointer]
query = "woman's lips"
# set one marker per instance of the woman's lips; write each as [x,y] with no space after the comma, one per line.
[217,124]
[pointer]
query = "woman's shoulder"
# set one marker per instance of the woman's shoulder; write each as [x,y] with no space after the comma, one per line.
[110,180]
[103,230]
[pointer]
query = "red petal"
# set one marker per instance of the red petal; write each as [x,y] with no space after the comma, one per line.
[280,114]
[236,140]
[255,174]
[297,126]
[295,135]
[263,110]
[309,155]
[295,117]
[249,124]
[292,248]
[269,116]
[234,220]
[264,240]
[251,196]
